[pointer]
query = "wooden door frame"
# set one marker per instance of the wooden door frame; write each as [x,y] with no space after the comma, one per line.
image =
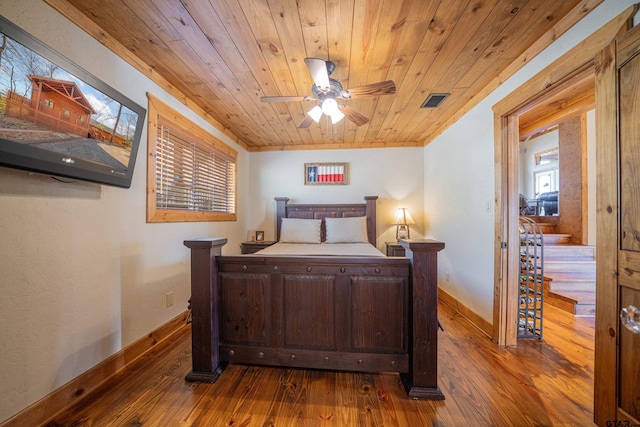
[609,253]
[554,77]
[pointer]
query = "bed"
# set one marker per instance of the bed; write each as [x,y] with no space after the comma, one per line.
[367,313]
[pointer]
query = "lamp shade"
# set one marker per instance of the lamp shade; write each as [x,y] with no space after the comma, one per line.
[328,107]
[315,113]
[336,116]
[403,217]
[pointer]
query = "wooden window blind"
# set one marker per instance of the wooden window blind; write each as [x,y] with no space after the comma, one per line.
[190,176]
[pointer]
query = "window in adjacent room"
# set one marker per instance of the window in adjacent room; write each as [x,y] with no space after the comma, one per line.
[546,173]
[191,175]
[547,156]
[545,181]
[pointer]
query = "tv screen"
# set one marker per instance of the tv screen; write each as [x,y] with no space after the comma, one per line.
[58,119]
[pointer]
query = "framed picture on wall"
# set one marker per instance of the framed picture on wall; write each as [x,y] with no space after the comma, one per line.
[326,173]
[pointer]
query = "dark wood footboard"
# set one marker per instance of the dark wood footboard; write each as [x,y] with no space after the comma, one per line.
[314,312]
[353,313]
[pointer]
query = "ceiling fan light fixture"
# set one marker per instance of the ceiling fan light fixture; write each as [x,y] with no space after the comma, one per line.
[326,91]
[330,106]
[315,113]
[336,116]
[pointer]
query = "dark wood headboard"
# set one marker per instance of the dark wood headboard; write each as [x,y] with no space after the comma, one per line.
[306,211]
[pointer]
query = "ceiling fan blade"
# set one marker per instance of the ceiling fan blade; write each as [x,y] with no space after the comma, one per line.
[306,122]
[318,70]
[387,87]
[286,98]
[353,115]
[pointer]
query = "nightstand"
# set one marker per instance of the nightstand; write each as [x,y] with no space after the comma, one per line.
[394,249]
[253,247]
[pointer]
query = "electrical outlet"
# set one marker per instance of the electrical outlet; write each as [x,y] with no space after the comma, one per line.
[168,299]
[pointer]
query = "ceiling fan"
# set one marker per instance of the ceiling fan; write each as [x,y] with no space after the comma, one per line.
[330,94]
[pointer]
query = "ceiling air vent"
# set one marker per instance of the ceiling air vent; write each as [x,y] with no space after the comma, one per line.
[434,100]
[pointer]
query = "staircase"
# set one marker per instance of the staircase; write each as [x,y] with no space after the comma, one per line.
[570,273]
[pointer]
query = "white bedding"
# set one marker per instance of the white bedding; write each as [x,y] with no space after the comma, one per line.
[329,249]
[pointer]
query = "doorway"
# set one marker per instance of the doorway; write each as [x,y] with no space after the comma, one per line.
[607,387]
[539,111]
[577,63]
[561,198]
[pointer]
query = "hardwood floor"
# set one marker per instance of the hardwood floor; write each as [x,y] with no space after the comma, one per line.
[533,384]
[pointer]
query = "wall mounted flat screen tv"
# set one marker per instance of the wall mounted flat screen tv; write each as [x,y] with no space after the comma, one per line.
[58,119]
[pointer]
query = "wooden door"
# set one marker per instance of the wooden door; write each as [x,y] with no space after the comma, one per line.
[617,354]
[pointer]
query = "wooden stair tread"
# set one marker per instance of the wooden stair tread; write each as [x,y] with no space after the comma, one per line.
[562,247]
[578,297]
[570,275]
[572,285]
[556,239]
[579,283]
[570,245]
[567,269]
[580,304]
[567,277]
[577,269]
[570,261]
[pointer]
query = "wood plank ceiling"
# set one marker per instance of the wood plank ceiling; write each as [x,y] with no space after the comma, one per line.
[224,55]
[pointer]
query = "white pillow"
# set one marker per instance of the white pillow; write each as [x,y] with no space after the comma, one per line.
[346,230]
[298,230]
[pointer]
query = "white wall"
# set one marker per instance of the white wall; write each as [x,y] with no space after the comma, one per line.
[528,150]
[393,174]
[459,171]
[82,275]
[459,187]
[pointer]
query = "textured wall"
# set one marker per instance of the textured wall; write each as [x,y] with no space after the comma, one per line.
[573,179]
[82,275]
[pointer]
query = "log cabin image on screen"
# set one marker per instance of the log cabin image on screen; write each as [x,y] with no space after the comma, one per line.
[45,106]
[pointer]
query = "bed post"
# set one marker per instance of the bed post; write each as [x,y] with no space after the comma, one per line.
[422,380]
[371,219]
[281,212]
[205,332]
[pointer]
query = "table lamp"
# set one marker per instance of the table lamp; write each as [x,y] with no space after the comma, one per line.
[402,221]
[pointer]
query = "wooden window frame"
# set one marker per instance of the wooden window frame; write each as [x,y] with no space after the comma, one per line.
[158,114]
